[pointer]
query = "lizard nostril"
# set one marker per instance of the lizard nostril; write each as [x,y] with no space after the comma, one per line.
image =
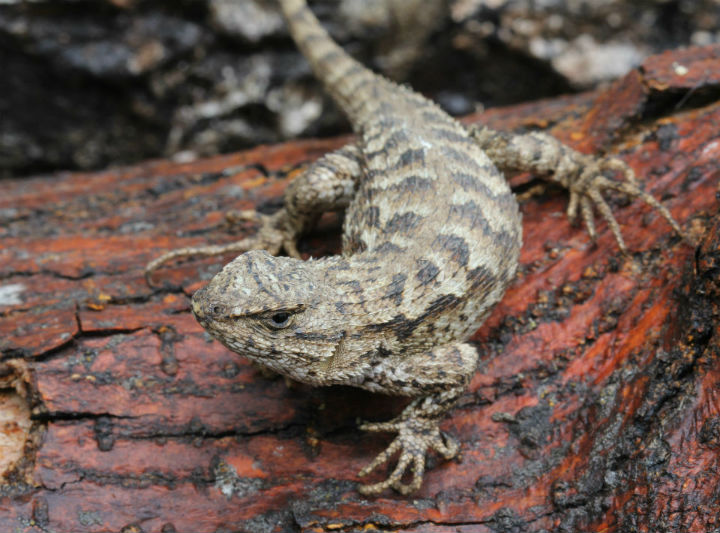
[216,310]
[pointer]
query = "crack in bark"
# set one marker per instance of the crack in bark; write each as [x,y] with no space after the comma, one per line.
[211,435]
[395,527]
[57,416]
[47,272]
[663,103]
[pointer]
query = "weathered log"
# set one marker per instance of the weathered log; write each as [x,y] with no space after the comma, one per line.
[596,406]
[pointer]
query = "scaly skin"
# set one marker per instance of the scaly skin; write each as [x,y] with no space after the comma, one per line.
[431,241]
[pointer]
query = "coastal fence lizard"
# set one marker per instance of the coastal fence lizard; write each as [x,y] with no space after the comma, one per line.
[431,240]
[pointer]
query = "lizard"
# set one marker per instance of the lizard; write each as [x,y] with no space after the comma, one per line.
[431,239]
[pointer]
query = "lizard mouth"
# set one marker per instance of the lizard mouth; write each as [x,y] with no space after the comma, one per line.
[197,308]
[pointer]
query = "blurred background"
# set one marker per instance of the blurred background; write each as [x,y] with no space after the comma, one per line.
[86,84]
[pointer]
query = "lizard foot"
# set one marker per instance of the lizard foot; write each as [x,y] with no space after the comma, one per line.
[274,235]
[586,193]
[416,435]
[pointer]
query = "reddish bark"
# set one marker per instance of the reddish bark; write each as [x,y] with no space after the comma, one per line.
[595,407]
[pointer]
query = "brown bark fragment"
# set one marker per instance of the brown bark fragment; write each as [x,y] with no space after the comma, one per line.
[595,407]
[689,68]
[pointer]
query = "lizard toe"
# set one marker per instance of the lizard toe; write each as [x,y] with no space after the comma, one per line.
[416,436]
[588,190]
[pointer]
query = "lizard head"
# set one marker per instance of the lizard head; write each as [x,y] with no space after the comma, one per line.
[273,310]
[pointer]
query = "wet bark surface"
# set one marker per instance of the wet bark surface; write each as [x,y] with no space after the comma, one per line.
[596,405]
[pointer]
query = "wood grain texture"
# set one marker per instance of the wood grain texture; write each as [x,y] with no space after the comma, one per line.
[595,406]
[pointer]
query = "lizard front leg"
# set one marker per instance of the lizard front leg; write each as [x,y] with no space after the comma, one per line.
[329,184]
[443,375]
[583,175]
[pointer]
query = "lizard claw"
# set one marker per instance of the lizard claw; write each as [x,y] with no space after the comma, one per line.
[274,235]
[416,435]
[586,195]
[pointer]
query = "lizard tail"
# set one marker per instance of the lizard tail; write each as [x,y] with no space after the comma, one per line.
[341,74]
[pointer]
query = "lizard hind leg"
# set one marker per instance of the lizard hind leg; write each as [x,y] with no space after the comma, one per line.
[275,234]
[328,184]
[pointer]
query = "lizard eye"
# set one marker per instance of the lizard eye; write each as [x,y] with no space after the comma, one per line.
[279,320]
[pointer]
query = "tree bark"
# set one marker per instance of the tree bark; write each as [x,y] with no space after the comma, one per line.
[596,405]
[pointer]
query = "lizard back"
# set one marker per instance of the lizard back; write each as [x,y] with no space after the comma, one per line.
[433,233]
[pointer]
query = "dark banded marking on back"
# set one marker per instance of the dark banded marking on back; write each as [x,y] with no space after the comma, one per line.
[403,326]
[481,276]
[395,289]
[470,213]
[455,245]
[370,217]
[427,271]
[409,157]
[452,135]
[403,223]
[464,160]
[397,137]
[360,84]
[472,183]
[332,56]
[388,247]
[412,184]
